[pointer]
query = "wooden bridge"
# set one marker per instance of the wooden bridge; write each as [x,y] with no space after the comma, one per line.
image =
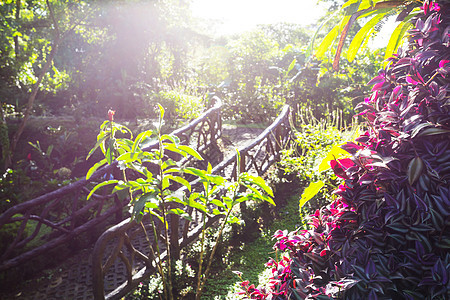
[61,224]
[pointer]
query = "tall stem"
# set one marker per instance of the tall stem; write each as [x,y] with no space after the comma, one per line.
[157,259]
[164,215]
[200,259]
[211,256]
[208,267]
[202,243]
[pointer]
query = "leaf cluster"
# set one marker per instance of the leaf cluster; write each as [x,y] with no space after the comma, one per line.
[155,183]
[386,236]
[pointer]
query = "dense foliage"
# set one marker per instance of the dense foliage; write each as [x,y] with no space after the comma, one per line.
[77,59]
[386,236]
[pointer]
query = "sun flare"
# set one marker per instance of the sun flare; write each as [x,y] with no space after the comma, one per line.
[236,16]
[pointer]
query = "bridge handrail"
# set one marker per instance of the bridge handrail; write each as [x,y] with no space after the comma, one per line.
[39,208]
[276,136]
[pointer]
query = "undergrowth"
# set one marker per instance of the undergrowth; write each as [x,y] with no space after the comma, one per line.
[249,258]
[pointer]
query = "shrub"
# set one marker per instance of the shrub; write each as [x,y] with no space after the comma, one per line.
[386,236]
[314,139]
[179,105]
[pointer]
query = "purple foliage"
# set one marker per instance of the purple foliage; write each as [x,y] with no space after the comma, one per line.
[388,234]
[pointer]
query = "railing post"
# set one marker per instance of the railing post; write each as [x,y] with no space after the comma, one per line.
[98,288]
[174,236]
[241,164]
[278,139]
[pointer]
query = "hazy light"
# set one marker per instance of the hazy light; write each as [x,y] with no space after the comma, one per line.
[381,39]
[235,16]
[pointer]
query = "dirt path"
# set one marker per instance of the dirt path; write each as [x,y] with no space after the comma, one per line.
[234,137]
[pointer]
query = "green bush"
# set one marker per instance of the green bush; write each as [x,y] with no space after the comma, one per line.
[314,139]
[179,105]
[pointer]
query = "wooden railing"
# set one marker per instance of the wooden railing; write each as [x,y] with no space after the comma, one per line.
[43,224]
[117,244]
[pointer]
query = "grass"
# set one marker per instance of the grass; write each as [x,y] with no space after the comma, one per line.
[251,257]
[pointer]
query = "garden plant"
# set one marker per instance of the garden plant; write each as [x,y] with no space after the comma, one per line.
[150,178]
[386,235]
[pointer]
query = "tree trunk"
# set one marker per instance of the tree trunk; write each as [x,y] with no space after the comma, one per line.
[16,137]
[4,137]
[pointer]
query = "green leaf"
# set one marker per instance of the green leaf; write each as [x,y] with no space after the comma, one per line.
[215,179]
[217,212]
[109,155]
[396,38]
[228,202]
[195,172]
[150,199]
[147,142]
[168,163]
[123,129]
[151,205]
[139,138]
[257,181]
[238,163]
[190,151]
[99,142]
[129,157]
[234,220]
[161,112]
[104,124]
[310,192]
[165,183]
[121,185]
[174,148]
[336,152]
[102,184]
[256,195]
[241,199]
[180,180]
[138,206]
[218,203]
[362,34]
[415,168]
[181,213]
[173,138]
[192,202]
[327,41]
[124,145]
[94,168]
[291,66]
[172,170]
[49,150]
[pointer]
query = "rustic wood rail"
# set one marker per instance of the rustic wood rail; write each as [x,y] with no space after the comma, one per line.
[48,222]
[117,243]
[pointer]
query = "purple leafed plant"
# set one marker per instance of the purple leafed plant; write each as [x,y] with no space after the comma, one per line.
[387,236]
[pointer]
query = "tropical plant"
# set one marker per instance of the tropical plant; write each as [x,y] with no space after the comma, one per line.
[148,180]
[374,14]
[316,143]
[386,236]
